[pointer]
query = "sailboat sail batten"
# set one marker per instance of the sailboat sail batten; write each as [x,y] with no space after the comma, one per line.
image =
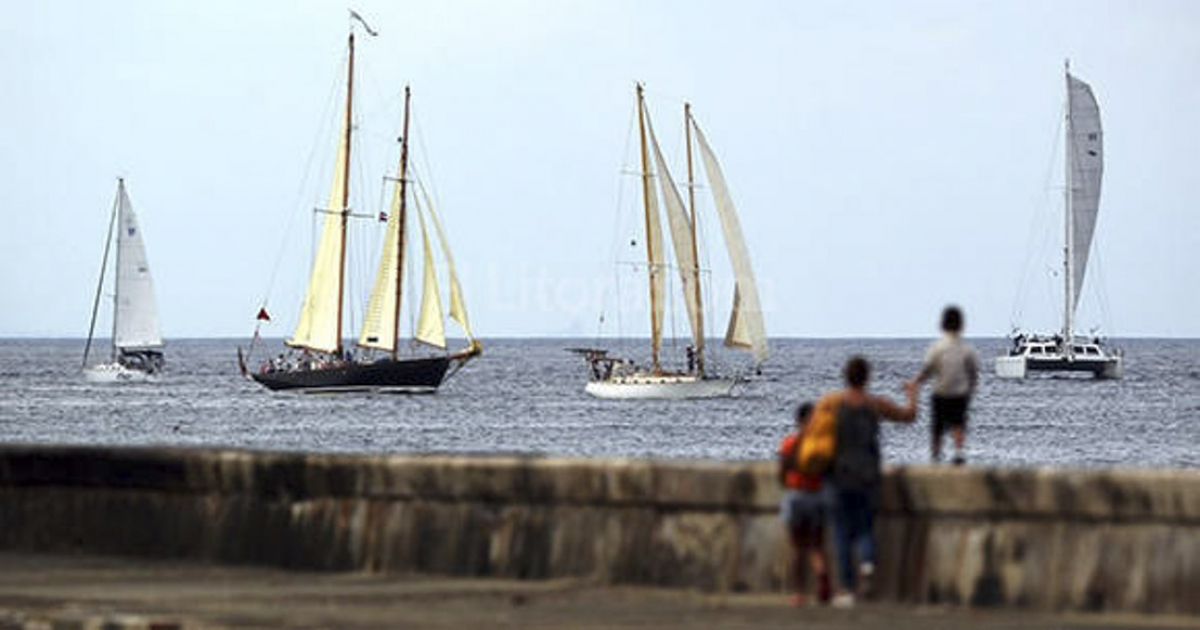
[745,321]
[681,240]
[317,328]
[136,318]
[1086,160]
[430,327]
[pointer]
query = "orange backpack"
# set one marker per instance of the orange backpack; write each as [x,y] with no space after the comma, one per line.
[817,449]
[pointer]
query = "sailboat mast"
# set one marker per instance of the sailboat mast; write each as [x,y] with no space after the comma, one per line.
[401,219]
[648,190]
[687,132]
[1069,224]
[117,269]
[112,220]
[345,195]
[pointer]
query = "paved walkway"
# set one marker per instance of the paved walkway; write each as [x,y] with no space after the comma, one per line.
[92,592]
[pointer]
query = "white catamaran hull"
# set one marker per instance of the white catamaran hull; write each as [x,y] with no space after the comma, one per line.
[116,373]
[643,387]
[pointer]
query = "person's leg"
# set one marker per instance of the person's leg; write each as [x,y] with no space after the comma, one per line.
[796,537]
[936,428]
[843,540]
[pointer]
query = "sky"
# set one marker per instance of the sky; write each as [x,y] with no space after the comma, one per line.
[886,158]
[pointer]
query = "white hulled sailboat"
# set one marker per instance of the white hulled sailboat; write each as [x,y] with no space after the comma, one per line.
[137,344]
[317,360]
[613,377]
[1084,167]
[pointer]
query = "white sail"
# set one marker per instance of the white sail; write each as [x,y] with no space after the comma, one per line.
[681,240]
[1086,160]
[458,307]
[431,328]
[317,328]
[655,266]
[379,325]
[135,325]
[746,328]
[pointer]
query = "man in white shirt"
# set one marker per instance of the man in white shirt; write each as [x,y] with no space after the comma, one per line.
[955,366]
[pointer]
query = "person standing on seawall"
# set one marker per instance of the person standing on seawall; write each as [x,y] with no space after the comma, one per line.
[856,473]
[956,367]
[804,510]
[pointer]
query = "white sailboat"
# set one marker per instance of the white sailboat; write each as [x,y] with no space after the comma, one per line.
[1084,165]
[317,360]
[137,345]
[613,377]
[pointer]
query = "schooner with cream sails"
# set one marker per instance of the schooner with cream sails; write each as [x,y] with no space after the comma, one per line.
[318,359]
[1084,167]
[613,377]
[137,344]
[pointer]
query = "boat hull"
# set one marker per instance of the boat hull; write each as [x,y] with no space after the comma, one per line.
[116,373]
[648,387]
[403,376]
[1021,366]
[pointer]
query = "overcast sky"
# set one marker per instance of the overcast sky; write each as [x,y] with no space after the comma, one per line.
[885,157]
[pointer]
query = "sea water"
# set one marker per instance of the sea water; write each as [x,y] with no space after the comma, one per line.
[526,396]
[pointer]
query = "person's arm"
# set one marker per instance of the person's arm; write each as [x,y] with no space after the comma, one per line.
[896,413]
[972,372]
[928,367]
[786,461]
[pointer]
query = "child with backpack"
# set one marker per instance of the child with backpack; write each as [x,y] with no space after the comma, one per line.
[804,510]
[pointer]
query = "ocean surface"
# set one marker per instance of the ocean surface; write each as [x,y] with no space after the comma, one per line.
[526,396]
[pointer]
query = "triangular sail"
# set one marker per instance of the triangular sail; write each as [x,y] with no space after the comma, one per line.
[318,326]
[379,325]
[1086,161]
[655,265]
[746,328]
[135,324]
[681,240]
[431,328]
[458,307]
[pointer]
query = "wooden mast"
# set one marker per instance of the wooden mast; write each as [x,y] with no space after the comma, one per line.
[687,129]
[647,190]
[345,195]
[401,220]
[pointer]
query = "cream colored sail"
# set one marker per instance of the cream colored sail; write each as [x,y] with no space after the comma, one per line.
[458,307]
[317,328]
[655,266]
[746,328]
[681,240]
[431,329]
[379,325]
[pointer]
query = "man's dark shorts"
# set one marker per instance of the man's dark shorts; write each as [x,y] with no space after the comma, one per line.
[949,412]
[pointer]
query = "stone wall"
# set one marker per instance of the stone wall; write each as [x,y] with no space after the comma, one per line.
[1041,539]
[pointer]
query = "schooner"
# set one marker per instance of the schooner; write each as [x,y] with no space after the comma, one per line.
[318,360]
[613,377]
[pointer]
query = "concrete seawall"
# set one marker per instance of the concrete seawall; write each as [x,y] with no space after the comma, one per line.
[1037,539]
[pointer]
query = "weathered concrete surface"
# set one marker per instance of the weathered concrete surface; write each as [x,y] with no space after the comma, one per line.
[117,594]
[1037,539]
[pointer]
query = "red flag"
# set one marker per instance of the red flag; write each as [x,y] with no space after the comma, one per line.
[262,315]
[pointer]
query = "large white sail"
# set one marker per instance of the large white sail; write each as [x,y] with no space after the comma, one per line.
[681,240]
[317,328]
[431,329]
[746,328]
[1086,161]
[458,307]
[379,326]
[135,325]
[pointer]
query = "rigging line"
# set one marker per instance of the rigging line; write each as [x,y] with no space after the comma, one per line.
[1037,226]
[322,131]
[100,284]
[617,240]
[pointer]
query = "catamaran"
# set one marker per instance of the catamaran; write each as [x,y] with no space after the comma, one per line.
[137,343]
[612,377]
[317,360]
[1084,165]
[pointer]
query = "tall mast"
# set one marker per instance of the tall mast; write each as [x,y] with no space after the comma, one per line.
[1069,224]
[345,194]
[401,220]
[647,190]
[100,285]
[691,187]
[117,268]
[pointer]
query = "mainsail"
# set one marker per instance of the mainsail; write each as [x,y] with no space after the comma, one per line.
[135,320]
[379,325]
[745,328]
[681,241]
[430,327]
[654,244]
[1085,160]
[319,326]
